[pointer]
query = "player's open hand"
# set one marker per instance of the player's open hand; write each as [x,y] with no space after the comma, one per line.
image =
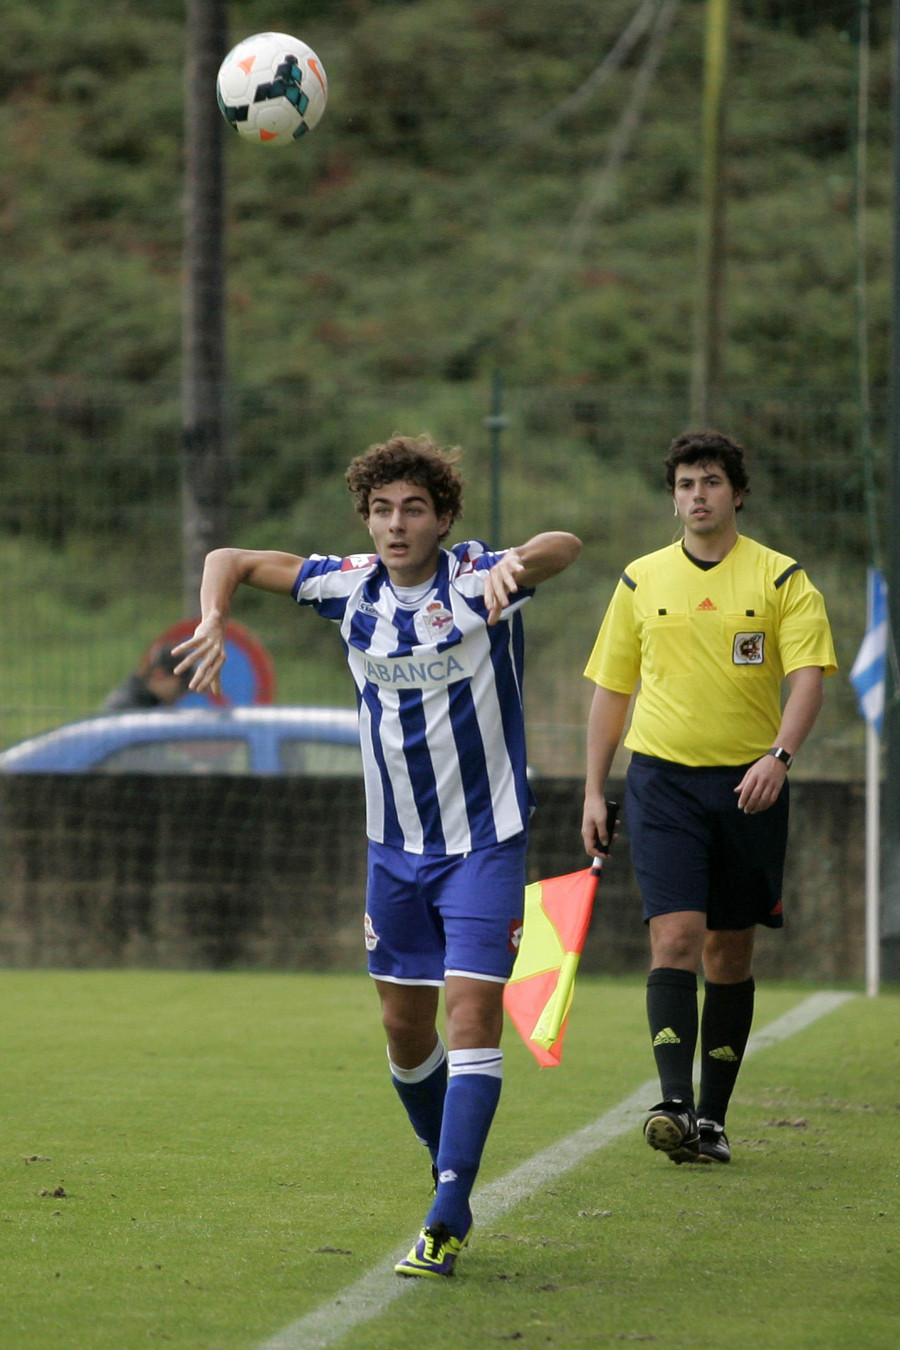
[204,650]
[501,584]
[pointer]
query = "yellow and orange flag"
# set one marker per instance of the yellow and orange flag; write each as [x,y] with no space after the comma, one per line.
[539,994]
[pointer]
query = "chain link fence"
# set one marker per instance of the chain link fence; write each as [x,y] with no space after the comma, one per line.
[91,533]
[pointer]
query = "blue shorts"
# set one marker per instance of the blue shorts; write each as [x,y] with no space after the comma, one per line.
[692,848]
[430,915]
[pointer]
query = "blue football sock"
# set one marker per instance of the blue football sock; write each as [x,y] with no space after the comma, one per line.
[473,1091]
[422,1091]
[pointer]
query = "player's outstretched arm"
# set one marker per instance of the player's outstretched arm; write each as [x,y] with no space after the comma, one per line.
[223,571]
[542,557]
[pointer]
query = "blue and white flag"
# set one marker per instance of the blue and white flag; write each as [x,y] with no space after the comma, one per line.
[868,673]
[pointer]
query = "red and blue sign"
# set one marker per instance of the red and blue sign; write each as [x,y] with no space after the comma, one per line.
[247,677]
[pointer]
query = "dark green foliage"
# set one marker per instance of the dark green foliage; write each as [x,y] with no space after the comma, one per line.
[805,17]
[422,236]
[402,236]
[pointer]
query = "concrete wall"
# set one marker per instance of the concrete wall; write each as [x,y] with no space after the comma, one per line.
[270,873]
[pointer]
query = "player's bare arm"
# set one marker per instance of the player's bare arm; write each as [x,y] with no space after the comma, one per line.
[763,781]
[542,557]
[606,723]
[223,571]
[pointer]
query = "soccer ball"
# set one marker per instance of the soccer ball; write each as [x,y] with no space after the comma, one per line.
[271,88]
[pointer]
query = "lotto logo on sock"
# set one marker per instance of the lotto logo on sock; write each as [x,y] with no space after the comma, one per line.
[447,1176]
[370,935]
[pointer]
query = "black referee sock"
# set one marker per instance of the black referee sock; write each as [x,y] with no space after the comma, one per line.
[724,1031]
[672,1014]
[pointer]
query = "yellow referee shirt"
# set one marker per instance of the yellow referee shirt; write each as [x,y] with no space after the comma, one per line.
[711,649]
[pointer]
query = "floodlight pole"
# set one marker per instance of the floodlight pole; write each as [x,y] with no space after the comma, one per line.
[707,357]
[890,889]
[204,464]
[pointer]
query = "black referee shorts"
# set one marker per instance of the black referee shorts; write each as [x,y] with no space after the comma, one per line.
[693,849]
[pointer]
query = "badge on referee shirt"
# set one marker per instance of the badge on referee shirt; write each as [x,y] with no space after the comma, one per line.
[748,649]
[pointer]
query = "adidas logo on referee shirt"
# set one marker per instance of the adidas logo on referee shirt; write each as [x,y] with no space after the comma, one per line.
[706,604]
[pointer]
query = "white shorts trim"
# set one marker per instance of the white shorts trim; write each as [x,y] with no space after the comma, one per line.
[392,979]
[474,975]
[439,984]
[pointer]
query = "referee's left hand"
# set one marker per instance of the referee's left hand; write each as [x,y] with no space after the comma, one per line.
[761,785]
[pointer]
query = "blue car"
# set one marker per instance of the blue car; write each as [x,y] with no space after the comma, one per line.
[192,740]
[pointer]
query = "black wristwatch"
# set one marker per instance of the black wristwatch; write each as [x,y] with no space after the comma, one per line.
[778,752]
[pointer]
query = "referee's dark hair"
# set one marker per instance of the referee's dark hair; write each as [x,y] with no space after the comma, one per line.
[708,447]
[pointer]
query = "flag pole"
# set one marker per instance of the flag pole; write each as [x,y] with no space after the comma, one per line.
[868,677]
[873,859]
[873,819]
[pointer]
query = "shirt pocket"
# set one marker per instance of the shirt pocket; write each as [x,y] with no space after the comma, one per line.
[667,647]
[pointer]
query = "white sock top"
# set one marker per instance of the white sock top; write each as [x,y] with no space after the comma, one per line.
[422,1071]
[486,1061]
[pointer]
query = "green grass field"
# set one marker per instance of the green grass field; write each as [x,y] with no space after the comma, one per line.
[196,1161]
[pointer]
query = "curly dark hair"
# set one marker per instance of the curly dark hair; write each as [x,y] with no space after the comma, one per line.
[708,447]
[409,459]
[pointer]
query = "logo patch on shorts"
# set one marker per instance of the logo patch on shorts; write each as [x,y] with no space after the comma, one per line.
[749,649]
[515,934]
[370,934]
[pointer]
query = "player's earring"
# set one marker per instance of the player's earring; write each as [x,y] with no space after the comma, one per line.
[674,508]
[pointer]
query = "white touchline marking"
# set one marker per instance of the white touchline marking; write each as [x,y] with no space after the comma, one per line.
[375,1291]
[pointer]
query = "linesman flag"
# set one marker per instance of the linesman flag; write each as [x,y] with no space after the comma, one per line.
[539,994]
[867,674]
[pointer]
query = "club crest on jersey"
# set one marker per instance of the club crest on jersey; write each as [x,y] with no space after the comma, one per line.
[370,935]
[433,622]
[748,649]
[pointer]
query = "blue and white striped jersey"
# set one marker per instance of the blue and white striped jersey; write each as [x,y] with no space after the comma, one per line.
[440,699]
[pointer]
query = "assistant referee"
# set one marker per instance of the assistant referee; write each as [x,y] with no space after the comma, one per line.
[708,629]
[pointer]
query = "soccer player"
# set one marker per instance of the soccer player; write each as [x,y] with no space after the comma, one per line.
[711,626]
[433,639]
